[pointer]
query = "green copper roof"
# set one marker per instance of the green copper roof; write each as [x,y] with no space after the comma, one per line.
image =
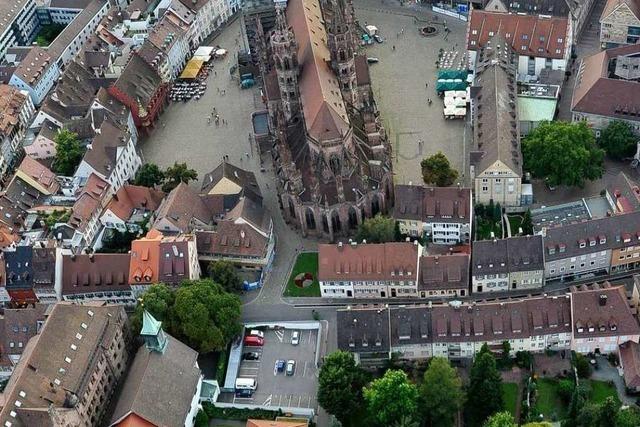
[150,326]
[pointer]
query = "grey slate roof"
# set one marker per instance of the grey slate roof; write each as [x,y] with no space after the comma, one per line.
[496,131]
[500,256]
[245,179]
[159,387]
[613,231]
[363,330]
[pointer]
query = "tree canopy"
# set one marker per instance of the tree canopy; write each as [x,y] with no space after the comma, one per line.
[149,175]
[176,174]
[563,153]
[226,274]
[618,140]
[484,394]
[199,312]
[379,229]
[500,419]
[442,393]
[69,153]
[340,384]
[437,170]
[392,397]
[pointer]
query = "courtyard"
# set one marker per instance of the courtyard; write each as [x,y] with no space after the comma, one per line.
[399,84]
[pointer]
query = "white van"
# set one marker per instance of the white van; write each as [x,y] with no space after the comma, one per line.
[246,384]
[257,333]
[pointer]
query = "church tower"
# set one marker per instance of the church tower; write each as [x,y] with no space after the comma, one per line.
[152,333]
[340,37]
[285,57]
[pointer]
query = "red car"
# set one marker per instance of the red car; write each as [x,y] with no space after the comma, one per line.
[251,340]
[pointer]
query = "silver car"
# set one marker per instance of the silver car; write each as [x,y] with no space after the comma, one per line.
[291,368]
[295,338]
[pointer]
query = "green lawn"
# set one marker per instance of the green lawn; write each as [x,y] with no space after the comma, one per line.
[548,402]
[514,222]
[306,262]
[510,397]
[600,390]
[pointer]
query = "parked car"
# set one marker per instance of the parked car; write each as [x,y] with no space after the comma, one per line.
[253,341]
[280,364]
[378,38]
[252,355]
[295,337]
[372,60]
[291,367]
[244,393]
[256,333]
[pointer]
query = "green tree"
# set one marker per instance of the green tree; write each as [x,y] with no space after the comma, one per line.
[618,140]
[437,170]
[340,384]
[158,300]
[202,419]
[608,411]
[69,153]
[582,366]
[379,229]
[226,274]
[565,390]
[589,416]
[442,393]
[563,153]
[118,241]
[149,175]
[391,397]
[497,212]
[500,419]
[206,316]
[176,174]
[629,417]
[527,223]
[484,393]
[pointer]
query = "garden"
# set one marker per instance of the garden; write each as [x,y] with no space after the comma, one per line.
[488,220]
[303,281]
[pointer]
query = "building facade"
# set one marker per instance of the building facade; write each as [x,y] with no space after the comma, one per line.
[619,23]
[19,26]
[16,111]
[442,215]
[514,263]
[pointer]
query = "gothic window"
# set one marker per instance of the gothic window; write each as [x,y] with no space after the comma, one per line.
[342,55]
[278,63]
[287,65]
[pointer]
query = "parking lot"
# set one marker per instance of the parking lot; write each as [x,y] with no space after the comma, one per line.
[276,388]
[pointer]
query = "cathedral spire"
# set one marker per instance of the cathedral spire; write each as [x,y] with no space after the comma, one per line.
[152,333]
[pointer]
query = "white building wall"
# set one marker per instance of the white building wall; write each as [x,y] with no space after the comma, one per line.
[38,92]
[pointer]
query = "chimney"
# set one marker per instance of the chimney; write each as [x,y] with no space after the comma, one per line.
[602,300]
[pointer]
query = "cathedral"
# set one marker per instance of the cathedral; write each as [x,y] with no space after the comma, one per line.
[332,157]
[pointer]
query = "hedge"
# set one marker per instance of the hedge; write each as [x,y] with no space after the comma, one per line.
[239,414]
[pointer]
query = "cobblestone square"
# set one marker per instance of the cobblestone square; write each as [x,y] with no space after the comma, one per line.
[399,81]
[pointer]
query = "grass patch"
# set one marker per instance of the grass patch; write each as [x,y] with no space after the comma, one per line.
[600,390]
[548,402]
[514,222]
[485,227]
[307,262]
[48,33]
[510,397]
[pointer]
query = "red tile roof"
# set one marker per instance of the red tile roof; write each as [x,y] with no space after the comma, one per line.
[95,273]
[39,173]
[630,359]
[383,261]
[602,311]
[234,240]
[156,258]
[541,36]
[130,197]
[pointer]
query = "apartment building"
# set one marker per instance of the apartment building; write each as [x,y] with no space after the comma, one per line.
[71,40]
[444,276]
[496,160]
[601,319]
[595,319]
[62,12]
[112,156]
[86,278]
[85,214]
[70,369]
[156,258]
[169,50]
[369,270]
[16,111]
[130,207]
[441,214]
[620,23]
[574,250]
[36,74]
[507,264]
[19,24]
[538,41]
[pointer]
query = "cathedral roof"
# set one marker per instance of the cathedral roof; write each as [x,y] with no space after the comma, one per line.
[323,107]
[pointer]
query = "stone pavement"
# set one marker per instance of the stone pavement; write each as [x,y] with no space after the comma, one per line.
[607,372]
[399,86]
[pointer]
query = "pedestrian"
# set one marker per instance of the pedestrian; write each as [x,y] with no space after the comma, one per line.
[426,85]
[215,73]
[394,47]
[247,154]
